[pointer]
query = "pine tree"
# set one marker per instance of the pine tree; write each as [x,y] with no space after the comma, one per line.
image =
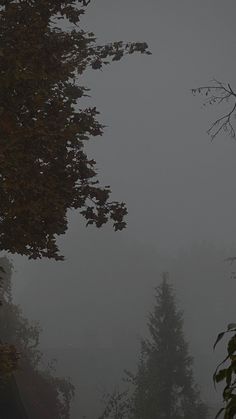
[163,385]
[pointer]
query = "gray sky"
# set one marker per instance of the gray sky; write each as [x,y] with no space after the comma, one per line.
[155,152]
[178,186]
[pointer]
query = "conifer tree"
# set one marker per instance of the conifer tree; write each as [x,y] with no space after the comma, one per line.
[163,385]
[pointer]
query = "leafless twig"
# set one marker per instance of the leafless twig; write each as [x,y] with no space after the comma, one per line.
[218,93]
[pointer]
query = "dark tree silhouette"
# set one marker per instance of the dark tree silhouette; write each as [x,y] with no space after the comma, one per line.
[44,170]
[44,394]
[11,405]
[117,405]
[163,385]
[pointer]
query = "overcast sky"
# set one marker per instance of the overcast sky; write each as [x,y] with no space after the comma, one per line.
[155,153]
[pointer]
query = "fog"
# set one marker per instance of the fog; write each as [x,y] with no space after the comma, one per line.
[179,190]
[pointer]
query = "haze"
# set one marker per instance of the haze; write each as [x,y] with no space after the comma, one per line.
[179,189]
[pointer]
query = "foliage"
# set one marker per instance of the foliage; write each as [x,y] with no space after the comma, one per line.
[8,360]
[10,401]
[226,372]
[44,395]
[8,354]
[163,385]
[44,169]
[117,405]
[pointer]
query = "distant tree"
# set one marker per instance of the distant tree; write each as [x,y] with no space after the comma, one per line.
[44,395]
[44,169]
[163,386]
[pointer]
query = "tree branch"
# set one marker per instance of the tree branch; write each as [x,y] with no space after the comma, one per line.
[218,93]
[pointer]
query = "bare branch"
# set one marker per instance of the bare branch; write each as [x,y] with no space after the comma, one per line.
[218,93]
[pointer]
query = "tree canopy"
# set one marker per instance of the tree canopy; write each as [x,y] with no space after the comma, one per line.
[44,169]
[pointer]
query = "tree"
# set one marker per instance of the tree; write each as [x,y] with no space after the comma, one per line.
[44,394]
[11,405]
[163,385]
[44,169]
[117,405]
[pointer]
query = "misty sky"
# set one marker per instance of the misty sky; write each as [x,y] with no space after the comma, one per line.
[179,187]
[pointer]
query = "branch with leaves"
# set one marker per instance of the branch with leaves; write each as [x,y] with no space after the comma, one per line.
[226,372]
[117,405]
[44,169]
